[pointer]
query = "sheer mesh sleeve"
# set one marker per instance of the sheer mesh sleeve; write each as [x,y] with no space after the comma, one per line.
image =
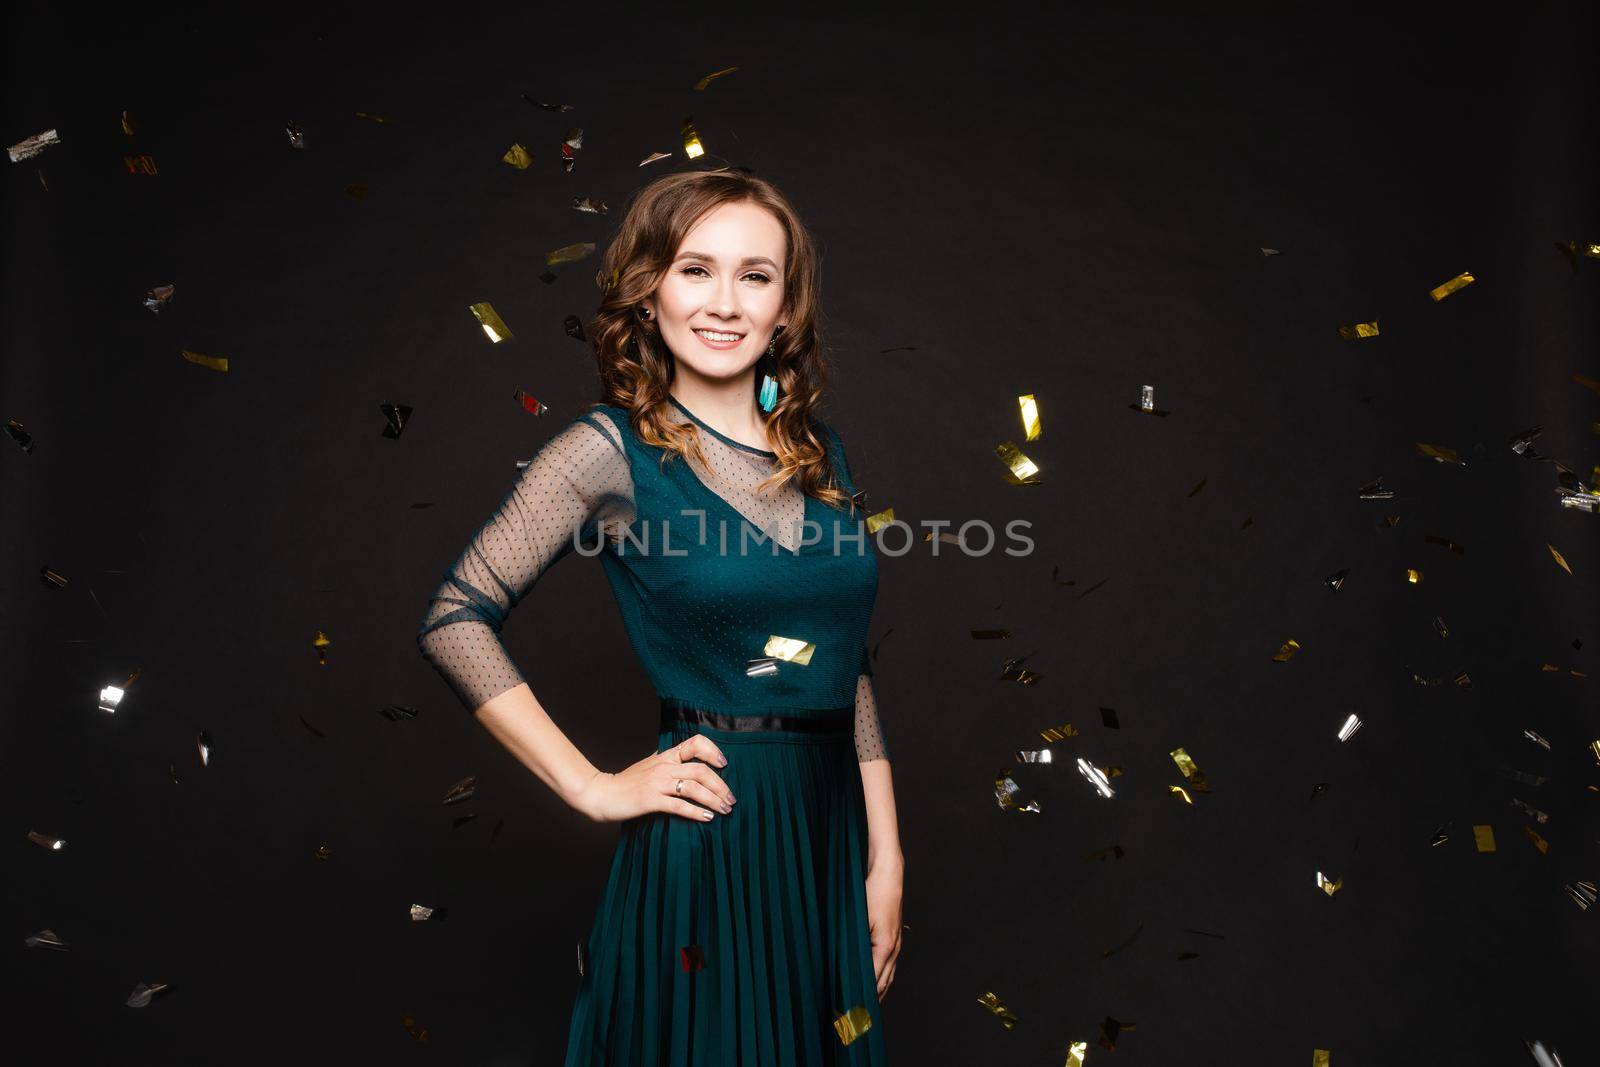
[870,744]
[575,489]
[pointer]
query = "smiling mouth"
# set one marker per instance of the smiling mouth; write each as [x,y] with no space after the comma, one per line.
[721,336]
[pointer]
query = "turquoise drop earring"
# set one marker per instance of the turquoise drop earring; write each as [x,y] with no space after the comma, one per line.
[769,385]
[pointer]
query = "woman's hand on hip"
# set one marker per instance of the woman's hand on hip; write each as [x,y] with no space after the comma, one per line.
[671,781]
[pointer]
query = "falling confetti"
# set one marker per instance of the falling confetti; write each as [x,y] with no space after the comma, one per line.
[1561,560]
[709,78]
[143,993]
[29,147]
[494,327]
[1359,331]
[852,1024]
[1460,281]
[1030,416]
[517,156]
[216,363]
[1007,1017]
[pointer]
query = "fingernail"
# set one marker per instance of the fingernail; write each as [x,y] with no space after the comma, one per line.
[722,761]
[726,808]
[732,799]
[707,815]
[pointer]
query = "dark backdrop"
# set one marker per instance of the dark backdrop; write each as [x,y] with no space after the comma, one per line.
[1067,203]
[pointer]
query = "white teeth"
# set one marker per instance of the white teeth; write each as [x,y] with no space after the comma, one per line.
[711,336]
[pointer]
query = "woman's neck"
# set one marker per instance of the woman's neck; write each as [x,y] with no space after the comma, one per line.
[729,407]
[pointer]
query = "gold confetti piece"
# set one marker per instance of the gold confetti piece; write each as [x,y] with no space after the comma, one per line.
[852,1024]
[143,992]
[1358,331]
[128,125]
[790,649]
[1066,730]
[379,119]
[420,913]
[1181,792]
[420,1033]
[653,157]
[1076,1051]
[1007,1018]
[216,363]
[1197,777]
[709,78]
[1483,836]
[461,790]
[1013,671]
[29,147]
[1097,778]
[1560,559]
[590,205]
[1440,453]
[494,327]
[530,404]
[1538,842]
[1286,650]
[1413,576]
[1022,469]
[691,139]
[324,852]
[569,254]
[1030,416]
[517,156]
[54,844]
[1594,750]
[693,957]
[356,191]
[139,164]
[1460,281]
[1321,1057]
[1328,885]
[1351,725]
[321,643]
[51,578]
[45,939]
[880,520]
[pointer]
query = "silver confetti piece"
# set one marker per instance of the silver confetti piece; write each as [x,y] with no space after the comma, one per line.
[1376,491]
[32,146]
[1582,893]
[140,997]
[54,844]
[1040,756]
[1542,1056]
[1529,810]
[1536,739]
[110,697]
[202,745]
[1351,725]
[761,668]
[419,913]
[45,939]
[1096,778]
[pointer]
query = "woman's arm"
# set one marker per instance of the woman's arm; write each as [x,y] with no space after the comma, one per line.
[885,862]
[518,721]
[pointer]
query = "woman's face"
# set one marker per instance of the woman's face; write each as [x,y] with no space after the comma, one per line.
[722,297]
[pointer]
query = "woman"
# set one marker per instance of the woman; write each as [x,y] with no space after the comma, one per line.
[752,911]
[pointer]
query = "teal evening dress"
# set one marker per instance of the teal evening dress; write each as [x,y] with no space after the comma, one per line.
[741,940]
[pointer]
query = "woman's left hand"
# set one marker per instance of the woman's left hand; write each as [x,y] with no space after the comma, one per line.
[884,883]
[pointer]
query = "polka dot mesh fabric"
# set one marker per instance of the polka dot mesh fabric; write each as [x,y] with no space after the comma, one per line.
[579,488]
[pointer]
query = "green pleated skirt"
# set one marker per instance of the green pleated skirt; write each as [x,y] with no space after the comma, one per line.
[773,894]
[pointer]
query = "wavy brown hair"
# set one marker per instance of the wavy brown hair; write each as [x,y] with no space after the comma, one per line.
[637,368]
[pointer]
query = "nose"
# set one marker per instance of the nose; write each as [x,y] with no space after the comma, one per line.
[724,303]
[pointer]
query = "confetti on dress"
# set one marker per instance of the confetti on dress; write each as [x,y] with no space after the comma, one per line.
[29,147]
[790,649]
[852,1024]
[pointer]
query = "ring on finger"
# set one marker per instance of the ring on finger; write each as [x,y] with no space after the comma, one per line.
[679,787]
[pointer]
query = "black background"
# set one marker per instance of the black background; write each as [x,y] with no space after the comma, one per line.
[1068,203]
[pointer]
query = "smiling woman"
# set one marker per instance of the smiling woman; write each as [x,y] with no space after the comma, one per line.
[752,910]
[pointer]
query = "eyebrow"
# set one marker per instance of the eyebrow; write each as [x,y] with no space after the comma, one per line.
[745,262]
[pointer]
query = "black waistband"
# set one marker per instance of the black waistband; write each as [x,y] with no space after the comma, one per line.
[831,720]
